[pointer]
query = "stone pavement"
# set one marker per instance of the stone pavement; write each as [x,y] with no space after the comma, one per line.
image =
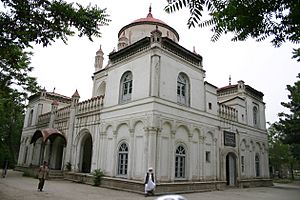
[17,187]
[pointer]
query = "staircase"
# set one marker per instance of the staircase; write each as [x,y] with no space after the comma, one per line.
[56,174]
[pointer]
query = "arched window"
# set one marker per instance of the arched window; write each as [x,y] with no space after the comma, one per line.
[257,165]
[123,159]
[255,116]
[29,122]
[180,158]
[183,94]
[126,87]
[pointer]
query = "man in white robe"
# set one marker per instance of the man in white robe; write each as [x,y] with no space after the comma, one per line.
[149,182]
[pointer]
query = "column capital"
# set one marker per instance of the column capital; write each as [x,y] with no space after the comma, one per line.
[152,129]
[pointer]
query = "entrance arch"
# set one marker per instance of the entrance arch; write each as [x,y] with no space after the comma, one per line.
[86,153]
[57,153]
[231,169]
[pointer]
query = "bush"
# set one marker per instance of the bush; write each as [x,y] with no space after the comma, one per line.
[97,176]
[68,166]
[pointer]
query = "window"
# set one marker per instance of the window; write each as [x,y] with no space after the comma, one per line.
[209,106]
[122,159]
[255,116]
[257,165]
[183,89]
[207,156]
[126,87]
[180,162]
[243,164]
[30,118]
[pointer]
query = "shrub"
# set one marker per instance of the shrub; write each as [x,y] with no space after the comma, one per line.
[68,166]
[97,176]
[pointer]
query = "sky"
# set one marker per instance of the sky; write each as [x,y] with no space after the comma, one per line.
[260,65]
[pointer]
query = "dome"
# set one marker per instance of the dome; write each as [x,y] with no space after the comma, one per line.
[142,27]
[149,18]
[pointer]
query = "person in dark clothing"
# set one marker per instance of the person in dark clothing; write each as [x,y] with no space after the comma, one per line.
[5,167]
[149,182]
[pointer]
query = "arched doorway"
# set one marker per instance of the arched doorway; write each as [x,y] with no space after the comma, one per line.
[231,169]
[86,153]
[49,146]
[58,145]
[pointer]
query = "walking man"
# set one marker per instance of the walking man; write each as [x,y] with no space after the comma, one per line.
[43,175]
[5,167]
[149,182]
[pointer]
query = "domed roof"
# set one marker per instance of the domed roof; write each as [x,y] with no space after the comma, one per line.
[149,18]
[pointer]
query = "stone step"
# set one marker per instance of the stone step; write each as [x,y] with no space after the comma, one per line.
[56,175]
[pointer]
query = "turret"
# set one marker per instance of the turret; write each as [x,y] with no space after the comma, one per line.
[99,59]
[75,99]
[54,107]
[241,86]
[156,35]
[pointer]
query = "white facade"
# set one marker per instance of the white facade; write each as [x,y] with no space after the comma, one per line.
[151,107]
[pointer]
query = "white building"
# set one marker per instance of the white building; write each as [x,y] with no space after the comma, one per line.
[151,107]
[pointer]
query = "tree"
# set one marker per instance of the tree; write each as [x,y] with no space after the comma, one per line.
[40,21]
[289,124]
[259,19]
[11,118]
[280,155]
[23,23]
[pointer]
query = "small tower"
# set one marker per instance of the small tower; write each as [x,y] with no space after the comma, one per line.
[99,59]
[156,35]
[241,86]
[54,107]
[75,99]
[43,93]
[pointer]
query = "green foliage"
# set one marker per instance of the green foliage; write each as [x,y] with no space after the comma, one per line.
[11,123]
[43,21]
[284,136]
[259,19]
[24,23]
[97,176]
[280,154]
[289,124]
[27,174]
[68,166]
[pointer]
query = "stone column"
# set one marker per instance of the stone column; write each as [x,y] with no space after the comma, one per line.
[152,140]
[115,154]
[131,154]
[190,162]
[158,150]
[172,157]
[102,150]
[95,148]
[216,161]
[202,152]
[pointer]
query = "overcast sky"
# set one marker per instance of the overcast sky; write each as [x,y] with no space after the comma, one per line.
[260,65]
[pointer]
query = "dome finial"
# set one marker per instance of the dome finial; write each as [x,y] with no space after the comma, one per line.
[150,14]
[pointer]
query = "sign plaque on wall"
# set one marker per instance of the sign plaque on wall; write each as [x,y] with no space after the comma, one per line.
[229,139]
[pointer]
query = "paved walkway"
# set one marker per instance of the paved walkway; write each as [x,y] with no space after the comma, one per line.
[17,187]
